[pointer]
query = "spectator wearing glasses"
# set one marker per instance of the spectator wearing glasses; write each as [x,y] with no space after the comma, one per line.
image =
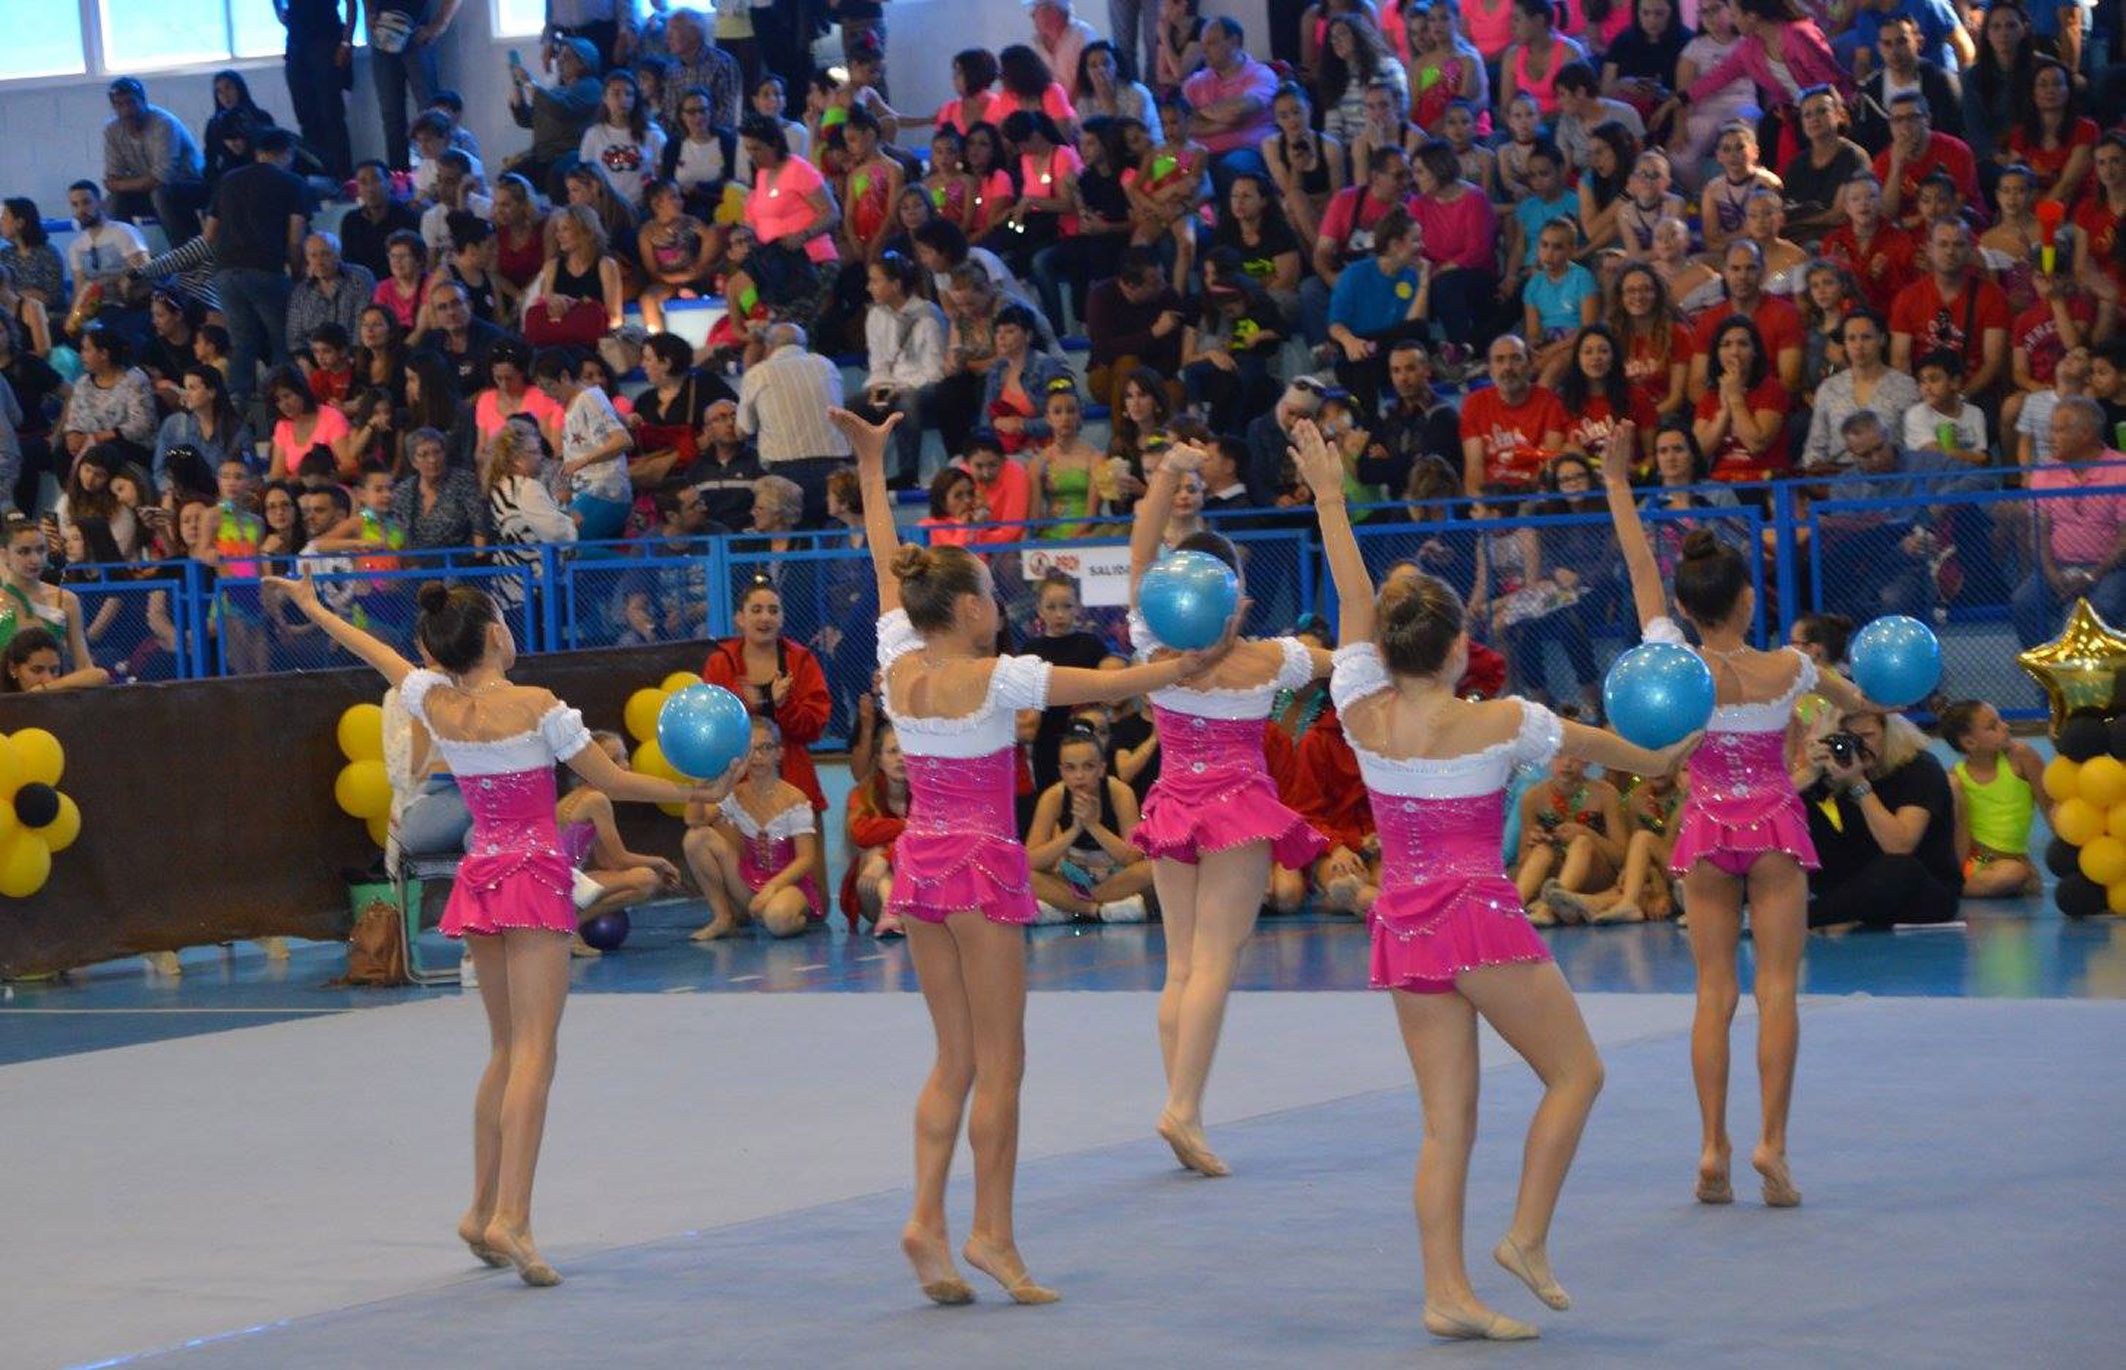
[1916,150]
[2081,537]
[1346,233]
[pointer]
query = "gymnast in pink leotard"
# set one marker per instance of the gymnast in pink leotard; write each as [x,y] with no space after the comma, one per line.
[1742,832]
[1450,936]
[960,881]
[512,898]
[1213,823]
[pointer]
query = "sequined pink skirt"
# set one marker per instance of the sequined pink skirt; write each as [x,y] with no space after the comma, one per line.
[1735,846]
[1214,793]
[512,892]
[939,874]
[757,867]
[1427,933]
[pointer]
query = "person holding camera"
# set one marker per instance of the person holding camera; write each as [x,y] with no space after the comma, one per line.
[1883,820]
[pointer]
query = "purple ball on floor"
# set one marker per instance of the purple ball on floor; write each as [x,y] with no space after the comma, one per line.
[607,931]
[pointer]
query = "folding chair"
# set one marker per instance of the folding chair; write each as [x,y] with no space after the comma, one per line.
[410,876]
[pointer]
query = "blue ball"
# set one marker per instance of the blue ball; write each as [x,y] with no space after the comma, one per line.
[703,729]
[1896,661]
[1657,694]
[1186,599]
[607,931]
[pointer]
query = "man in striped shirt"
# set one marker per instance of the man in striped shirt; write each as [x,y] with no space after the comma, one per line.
[782,404]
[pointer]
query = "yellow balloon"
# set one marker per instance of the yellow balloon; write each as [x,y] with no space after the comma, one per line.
[2103,781]
[2115,897]
[43,759]
[9,824]
[2063,778]
[59,834]
[379,828]
[673,810]
[679,680]
[2077,821]
[25,864]
[2115,821]
[649,760]
[10,767]
[2103,860]
[640,715]
[363,789]
[362,733]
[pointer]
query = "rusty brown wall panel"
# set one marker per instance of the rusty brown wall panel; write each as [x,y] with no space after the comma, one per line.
[207,810]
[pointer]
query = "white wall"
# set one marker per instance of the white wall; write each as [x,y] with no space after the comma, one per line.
[52,131]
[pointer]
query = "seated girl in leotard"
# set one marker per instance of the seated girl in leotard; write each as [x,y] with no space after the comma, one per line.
[1084,864]
[511,898]
[1448,931]
[754,854]
[1998,786]
[607,876]
[961,883]
[1571,838]
[1741,833]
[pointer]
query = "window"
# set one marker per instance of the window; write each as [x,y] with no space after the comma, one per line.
[36,46]
[138,36]
[520,18]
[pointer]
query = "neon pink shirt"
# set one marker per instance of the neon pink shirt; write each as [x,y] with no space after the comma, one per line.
[778,205]
[1461,234]
[1055,103]
[1251,78]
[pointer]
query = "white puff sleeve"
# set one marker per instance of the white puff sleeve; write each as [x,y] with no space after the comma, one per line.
[1805,678]
[561,728]
[1359,673]
[1019,682]
[1664,629]
[896,638]
[1296,670]
[413,693]
[1541,734]
[1141,639]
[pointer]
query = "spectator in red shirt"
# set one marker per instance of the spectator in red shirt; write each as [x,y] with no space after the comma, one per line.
[1347,233]
[1003,491]
[2099,214]
[1777,322]
[2053,139]
[1508,429]
[2063,318]
[1740,422]
[1881,256]
[1915,152]
[1953,308]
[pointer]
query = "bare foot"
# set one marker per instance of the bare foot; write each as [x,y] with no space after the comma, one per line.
[578,947]
[714,930]
[1539,915]
[1472,1321]
[1713,1184]
[1190,1148]
[1531,1266]
[1779,1191]
[276,948]
[931,1255]
[472,1230]
[1002,1264]
[518,1250]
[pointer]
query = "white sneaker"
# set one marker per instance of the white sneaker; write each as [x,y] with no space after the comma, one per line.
[1047,914]
[1130,910]
[468,972]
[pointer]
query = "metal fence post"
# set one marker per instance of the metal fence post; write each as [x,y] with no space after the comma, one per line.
[549,589]
[1785,552]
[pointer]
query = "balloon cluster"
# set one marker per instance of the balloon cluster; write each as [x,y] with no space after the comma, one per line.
[2082,671]
[36,820]
[363,787]
[640,715]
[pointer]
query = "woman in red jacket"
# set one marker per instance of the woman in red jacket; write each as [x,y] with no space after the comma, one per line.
[778,679]
[878,810]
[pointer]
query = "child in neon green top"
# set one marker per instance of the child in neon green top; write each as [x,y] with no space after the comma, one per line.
[1998,786]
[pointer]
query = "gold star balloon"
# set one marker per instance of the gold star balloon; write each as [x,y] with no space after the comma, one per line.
[2081,668]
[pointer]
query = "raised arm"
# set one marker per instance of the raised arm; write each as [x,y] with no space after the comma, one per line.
[387,662]
[881,536]
[1647,594]
[1149,524]
[1323,471]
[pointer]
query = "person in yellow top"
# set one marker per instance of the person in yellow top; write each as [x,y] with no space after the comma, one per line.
[1998,786]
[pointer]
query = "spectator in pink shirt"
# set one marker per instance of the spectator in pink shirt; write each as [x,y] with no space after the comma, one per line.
[1231,95]
[2081,538]
[1461,236]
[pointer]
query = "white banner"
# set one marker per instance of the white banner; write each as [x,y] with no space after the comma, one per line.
[1102,573]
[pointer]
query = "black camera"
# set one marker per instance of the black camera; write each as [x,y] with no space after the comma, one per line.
[1845,748]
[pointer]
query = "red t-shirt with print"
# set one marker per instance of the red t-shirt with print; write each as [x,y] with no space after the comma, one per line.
[1731,461]
[1958,323]
[1512,435]
[1887,265]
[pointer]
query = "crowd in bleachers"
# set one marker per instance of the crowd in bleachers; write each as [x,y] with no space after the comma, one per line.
[1868,251]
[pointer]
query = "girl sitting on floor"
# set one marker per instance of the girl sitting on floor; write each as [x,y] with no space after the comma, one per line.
[1084,865]
[1570,836]
[607,875]
[1998,786]
[753,854]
